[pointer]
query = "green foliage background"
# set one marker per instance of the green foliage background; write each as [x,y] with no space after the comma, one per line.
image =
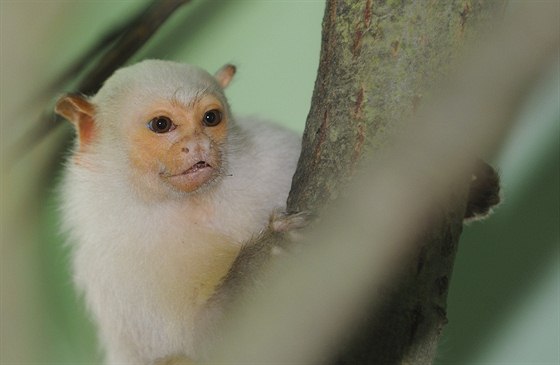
[505,294]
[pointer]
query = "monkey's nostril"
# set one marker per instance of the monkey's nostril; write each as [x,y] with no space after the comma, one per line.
[185,149]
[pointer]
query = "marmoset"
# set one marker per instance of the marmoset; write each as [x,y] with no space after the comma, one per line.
[161,189]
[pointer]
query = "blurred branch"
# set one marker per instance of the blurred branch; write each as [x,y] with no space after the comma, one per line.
[309,307]
[97,49]
[120,44]
[129,43]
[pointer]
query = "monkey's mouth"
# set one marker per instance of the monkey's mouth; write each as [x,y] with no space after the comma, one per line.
[191,178]
[197,166]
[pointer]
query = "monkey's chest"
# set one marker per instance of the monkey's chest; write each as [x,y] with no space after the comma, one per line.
[189,271]
[152,291]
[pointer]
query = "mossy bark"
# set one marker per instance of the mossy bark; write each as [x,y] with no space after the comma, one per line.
[319,299]
[379,59]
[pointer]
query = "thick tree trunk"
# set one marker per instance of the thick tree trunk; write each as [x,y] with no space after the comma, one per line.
[404,216]
[378,60]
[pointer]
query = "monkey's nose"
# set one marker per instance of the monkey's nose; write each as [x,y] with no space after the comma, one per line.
[196,146]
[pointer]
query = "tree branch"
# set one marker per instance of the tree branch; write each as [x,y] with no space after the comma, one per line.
[129,43]
[133,35]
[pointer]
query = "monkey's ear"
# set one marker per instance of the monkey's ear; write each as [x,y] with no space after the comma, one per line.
[78,110]
[225,74]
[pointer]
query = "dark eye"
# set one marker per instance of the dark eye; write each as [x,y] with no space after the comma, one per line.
[161,124]
[212,118]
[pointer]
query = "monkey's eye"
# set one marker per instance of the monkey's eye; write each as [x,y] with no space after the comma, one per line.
[212,118]
[161,124]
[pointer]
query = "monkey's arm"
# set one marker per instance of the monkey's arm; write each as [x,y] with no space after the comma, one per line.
[247,271]
[258,253]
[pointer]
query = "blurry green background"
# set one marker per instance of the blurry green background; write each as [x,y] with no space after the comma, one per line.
[504,304]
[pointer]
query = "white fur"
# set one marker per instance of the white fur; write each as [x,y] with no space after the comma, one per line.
[142,263]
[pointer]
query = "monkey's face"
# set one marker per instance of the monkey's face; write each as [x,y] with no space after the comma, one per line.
[179,146]
[161,124]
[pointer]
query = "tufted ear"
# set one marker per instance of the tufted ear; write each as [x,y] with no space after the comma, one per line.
[225,74]
[80,112]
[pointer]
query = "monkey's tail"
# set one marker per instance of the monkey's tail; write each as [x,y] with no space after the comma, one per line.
[484,192]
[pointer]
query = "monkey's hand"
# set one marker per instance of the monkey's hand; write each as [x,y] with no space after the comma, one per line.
[284,229]
[289,225]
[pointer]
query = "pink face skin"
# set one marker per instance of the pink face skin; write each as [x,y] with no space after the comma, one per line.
[179,145]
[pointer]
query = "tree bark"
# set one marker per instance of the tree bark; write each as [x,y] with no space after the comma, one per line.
[377,62]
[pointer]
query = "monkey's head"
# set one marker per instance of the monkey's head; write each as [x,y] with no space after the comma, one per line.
[166,124]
